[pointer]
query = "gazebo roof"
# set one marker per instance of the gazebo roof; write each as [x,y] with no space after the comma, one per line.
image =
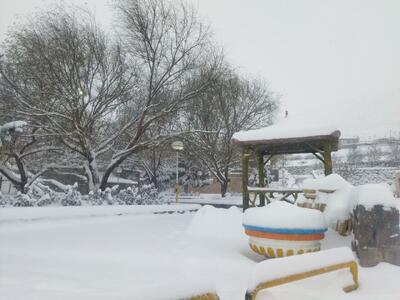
[288,137]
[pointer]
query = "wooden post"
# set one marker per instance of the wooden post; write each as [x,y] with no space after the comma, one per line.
[328,158]
[245,177]
[261,177]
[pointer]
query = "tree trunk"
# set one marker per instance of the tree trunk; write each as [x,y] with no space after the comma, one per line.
[224,188]
[92,173]
[22,173]
[154,176]
[245,177]
[154,181]
[111,167]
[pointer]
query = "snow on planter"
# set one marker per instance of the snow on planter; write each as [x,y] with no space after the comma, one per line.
[282,229]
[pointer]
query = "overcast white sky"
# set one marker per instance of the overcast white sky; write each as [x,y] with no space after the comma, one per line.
[332,60]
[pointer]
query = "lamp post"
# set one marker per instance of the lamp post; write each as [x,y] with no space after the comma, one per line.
[177,146]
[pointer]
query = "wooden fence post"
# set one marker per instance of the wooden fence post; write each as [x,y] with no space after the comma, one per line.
[261,177]
[328,158]
[245,177]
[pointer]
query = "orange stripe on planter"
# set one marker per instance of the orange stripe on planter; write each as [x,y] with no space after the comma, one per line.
[286,237]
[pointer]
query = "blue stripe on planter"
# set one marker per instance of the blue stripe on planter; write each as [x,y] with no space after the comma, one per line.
[285,230]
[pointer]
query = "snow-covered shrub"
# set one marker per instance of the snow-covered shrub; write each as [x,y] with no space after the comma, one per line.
[94,199]
[23,200]
[103,197]
[146,195]
[4,200]
[42,196]
[45,200]
[72,196]
[107,196]
[127,196]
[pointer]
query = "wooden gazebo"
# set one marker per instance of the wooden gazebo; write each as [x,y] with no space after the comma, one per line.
[283,138]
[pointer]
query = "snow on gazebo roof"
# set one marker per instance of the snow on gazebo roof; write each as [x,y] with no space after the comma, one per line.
[290,136]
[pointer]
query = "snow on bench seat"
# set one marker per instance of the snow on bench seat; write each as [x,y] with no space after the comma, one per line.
[273,272]
[272,190]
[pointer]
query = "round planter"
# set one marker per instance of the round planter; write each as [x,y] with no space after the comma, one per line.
[279,230]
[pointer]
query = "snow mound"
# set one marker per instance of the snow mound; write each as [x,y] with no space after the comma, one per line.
[285,129]
[338,203]
[369,195]
[217,222]
[330,182]
[338,206]
[279,267]
[280,214]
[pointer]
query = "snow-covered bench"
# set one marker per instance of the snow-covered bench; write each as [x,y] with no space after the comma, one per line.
[284,192]
[278,271]
[269,193]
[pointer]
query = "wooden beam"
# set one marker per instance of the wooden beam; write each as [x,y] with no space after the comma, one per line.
[319,157]
[328,158]
[268,159]
[245,177]
[261,176]
[316,149]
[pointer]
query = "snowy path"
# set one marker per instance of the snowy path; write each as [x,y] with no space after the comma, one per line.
[149,257]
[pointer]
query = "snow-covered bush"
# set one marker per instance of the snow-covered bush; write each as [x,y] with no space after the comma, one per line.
[127,196]
[149,194]
[72,196]
[5,200]
[103,197]
[23,200]
[146,195]
[45,196]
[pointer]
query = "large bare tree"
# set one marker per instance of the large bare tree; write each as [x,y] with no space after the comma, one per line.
[64,75]
[170,49]
[229,105]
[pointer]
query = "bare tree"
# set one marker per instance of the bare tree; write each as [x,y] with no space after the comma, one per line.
[394,150]
[167,45]
[64,75]
[20,149]
[374,152]
[354,156]
[63,72]
[231,104]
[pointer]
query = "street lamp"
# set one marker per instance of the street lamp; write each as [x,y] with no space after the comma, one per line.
[177,146]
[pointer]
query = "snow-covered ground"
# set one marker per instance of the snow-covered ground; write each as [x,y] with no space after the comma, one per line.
[153,256]
[8,214]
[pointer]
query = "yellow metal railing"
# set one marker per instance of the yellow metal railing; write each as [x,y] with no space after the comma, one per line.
[352,265]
